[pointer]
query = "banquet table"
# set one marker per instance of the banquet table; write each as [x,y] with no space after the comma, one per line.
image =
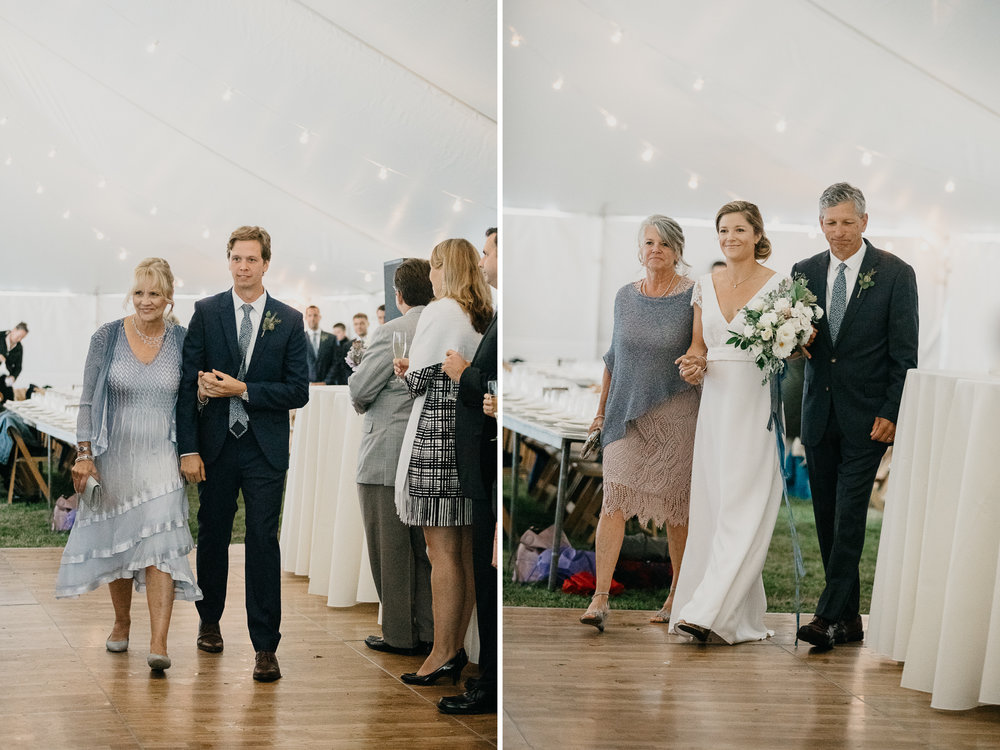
[551,433]
[56,424]
[936,596]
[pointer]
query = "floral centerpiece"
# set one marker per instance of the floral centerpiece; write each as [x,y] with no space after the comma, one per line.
[775,325]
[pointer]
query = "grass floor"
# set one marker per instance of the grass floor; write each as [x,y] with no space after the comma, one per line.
[28,523]
[779,576]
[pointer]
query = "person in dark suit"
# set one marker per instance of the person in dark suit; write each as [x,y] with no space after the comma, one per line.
[244,368]
[476,456]
[339,371]
[11,357]
[853,385]
[319,352]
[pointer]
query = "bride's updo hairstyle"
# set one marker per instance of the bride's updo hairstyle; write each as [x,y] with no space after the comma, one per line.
[157,271]
[763,247]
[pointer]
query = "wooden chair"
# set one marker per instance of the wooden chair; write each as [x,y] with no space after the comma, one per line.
[30,466]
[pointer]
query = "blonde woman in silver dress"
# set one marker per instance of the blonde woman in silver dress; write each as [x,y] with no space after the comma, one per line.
[647,413]
[139,534]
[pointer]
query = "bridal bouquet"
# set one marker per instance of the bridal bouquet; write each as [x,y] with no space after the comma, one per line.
[775,325]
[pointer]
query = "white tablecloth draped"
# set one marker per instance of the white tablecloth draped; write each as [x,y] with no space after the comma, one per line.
[321,532]
[936,597]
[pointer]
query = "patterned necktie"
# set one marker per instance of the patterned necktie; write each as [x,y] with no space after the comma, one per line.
[237,414]
[838,302]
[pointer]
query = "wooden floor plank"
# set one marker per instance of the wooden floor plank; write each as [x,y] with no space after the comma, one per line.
[62,688]
[637,686]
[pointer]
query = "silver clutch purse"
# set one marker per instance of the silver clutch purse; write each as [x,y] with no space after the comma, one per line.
[592,447]
[93,494]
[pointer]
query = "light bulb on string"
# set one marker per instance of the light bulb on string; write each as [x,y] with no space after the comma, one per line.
[699,83]
[52,153]
[3,120]
[949,186]
[65,214]
[457,205]
[304,137]
[693,182]
[383,173]
[102,183]
[616,37]
[8,161]
[610,119]
[866,158]
[40,189]
[781,125]
[123,254]
[368,278]
[312,267]
[98,234]
[227,95]
[206,234]
[179,283]
[151,47]
[153,211]
[516,39]
[558,84]
[647,153]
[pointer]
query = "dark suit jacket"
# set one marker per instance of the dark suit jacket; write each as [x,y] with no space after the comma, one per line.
[339,371]
[861,376]
[13,356]
[323,359]
[475,433]
[276,379]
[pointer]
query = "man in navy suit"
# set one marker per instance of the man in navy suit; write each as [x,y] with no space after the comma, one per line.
[476,457]
[244,368]
[850,402]
[320,349]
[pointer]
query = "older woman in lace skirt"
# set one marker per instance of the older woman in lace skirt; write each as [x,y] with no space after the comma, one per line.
[138,533]
[647,413]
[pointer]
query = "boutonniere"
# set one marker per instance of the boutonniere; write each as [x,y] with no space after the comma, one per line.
[269,322]
[866,281]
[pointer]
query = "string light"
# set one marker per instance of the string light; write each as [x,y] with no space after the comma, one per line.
[383,173]
[781,125]
[368,278]
[153,211]
[102,183]
[206,234]
[693,182]
[949,186]
[617,36]
[99,234]
[227,95]
[3,120]
[647,154]
[312,267]
[610,119]
[558,83]
[866,158]
[179,283]
[699,83]
[151,47]
[52,153]
[516,39]
[304,137]
[40,189]
[457,205]
[8,161]
[123,254]
[65,214]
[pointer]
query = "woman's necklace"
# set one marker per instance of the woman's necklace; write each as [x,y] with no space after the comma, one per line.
[745,278]
[151,341]
[669,287]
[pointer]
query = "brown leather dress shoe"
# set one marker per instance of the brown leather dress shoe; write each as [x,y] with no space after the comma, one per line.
[210,638]
[266,667]
[820,632]
[849,631]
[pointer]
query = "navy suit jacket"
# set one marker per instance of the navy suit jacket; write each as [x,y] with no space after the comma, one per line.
[861,376]
[475,433]
[276,378]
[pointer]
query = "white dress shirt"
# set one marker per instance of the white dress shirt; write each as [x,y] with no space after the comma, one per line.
[850,274]
[314,339]
[256,315]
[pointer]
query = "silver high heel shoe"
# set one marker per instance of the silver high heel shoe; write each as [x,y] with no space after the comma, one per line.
[596,617]
[158,662]
[116,647]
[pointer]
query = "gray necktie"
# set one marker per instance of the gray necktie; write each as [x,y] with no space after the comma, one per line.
[237,414]
[838,302]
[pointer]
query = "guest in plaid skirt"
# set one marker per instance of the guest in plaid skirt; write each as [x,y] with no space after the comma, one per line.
[428,493]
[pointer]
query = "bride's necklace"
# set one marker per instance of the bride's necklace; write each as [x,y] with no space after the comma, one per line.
[745,278]
[669,287]
[151,341]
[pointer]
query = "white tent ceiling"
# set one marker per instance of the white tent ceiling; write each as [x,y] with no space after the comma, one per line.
[704,85]
[131,129]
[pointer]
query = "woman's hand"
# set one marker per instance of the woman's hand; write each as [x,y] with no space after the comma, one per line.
[400,366]
[82,470]
[692,368]
[489,405]
[597,424]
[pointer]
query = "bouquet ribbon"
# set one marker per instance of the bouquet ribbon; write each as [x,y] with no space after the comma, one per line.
[776,424]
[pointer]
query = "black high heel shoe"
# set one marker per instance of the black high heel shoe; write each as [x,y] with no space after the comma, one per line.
[451,668]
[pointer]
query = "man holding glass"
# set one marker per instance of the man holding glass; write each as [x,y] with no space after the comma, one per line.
[397,552]
[476,456]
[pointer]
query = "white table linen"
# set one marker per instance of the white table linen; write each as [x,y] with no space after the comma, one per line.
[936,597]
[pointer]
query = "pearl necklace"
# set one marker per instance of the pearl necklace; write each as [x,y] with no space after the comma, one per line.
[642,286]
[151,341]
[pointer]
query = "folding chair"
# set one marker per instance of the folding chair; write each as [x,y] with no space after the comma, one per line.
[30,466]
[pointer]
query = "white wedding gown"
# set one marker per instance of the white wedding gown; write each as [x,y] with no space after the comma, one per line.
[735,488]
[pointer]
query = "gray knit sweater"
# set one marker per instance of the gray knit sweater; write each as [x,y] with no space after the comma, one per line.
[649,334]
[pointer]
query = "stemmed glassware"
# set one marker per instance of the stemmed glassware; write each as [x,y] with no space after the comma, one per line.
[400,348]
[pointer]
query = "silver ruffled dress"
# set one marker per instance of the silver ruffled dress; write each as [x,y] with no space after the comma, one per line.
[127,412]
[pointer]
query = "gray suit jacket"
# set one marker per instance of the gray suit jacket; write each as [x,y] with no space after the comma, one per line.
[385,402]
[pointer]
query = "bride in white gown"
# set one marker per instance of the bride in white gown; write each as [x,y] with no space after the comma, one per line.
[736,481]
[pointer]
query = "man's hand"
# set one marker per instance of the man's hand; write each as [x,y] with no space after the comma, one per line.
[400,366]
[454,365]
[193,468]
[883,431]
[217,384]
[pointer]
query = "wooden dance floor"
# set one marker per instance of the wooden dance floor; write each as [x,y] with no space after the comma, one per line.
[634,686]
[60,688]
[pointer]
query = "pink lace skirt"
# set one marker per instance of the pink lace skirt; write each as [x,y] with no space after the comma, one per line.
[647,473]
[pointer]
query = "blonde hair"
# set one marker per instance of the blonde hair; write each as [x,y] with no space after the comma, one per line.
[156,270]
[463,281]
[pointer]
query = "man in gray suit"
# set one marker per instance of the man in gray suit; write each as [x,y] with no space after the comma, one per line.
[397,552]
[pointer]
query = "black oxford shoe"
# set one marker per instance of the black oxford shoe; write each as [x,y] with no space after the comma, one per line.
[470,702]
[210,638]
[820,632]
[849,631]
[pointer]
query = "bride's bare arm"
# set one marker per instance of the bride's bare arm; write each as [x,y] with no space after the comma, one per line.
[693,363]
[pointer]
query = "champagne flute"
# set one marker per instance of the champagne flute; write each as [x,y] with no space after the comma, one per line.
[451,394]
[400,347]
[491,388]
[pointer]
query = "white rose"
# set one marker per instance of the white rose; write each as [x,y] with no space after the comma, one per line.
[768,319]
[748,330]
[783,348]
[766,334]
[817,312]
[781,304]
[756,304]
[787,333]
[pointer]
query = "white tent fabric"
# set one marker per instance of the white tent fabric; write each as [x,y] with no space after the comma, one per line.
[617,109]
[353,132]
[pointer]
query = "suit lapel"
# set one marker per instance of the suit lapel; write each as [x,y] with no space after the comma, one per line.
[227,317]
[264,337]
[817,274]
[857,299]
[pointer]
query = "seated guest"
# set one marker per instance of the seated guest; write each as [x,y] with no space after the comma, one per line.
[428,492]
[339,371]
[11,355]
[319,353]
[397,552]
